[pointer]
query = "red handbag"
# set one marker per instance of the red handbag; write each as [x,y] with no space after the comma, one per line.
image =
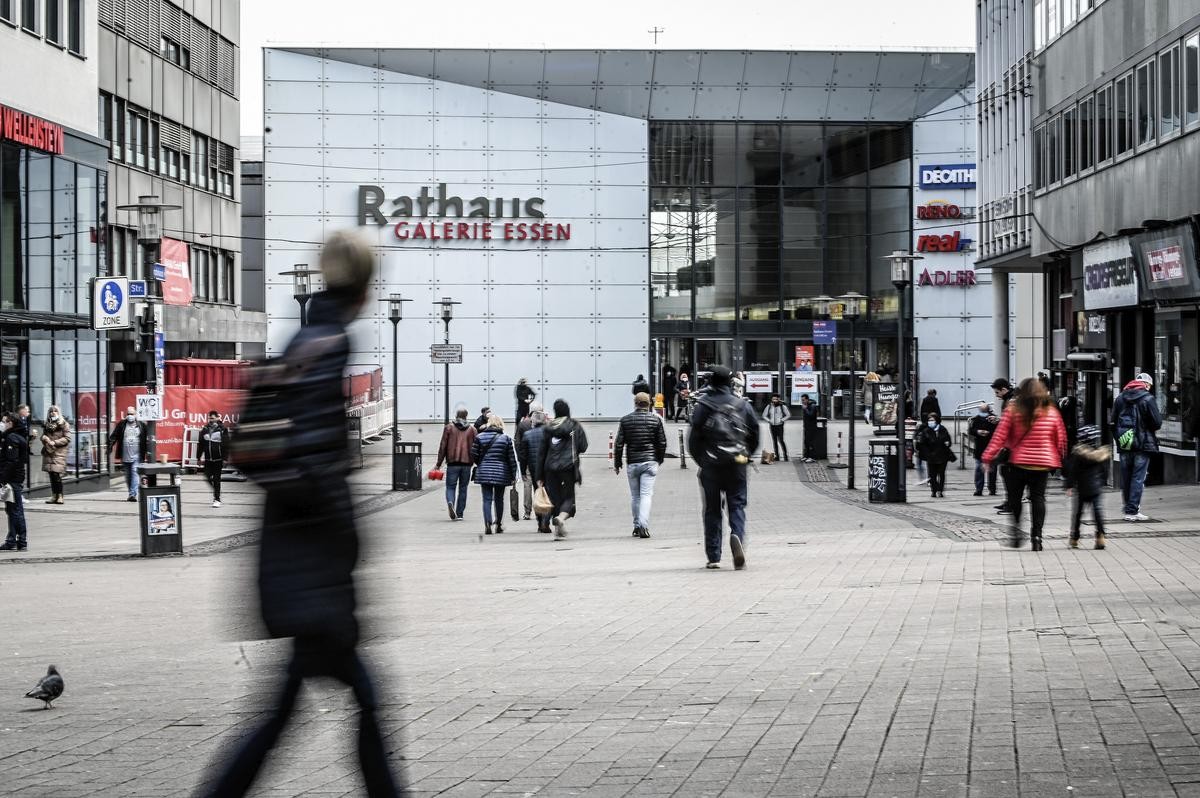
[436,474]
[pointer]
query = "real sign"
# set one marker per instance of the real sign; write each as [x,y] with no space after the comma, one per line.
[110,303]
[1109,275]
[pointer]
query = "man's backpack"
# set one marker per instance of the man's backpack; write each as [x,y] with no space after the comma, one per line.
[1126,427]
[725,434]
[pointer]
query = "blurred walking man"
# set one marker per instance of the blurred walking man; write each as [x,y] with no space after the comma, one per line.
[309,541]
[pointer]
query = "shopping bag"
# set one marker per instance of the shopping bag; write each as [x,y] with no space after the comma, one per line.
[541,502]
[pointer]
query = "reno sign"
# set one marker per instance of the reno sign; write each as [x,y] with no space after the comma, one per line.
[953,175]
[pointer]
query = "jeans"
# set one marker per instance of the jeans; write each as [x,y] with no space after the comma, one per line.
[458,480]
[1017,479]
[979,478]
[1133,479]
[493,502]
[561,487]
[15,510]
[131,476]
[641,491]
[1077,516]
[212,473]
[731,483]
[314,657]
[937,478]
[777,439]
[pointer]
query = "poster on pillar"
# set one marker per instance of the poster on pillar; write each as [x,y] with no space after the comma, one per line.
[177,284]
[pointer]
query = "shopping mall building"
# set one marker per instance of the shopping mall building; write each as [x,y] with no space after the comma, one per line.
[605,214]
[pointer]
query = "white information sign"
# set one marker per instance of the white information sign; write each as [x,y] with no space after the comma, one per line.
[149,407]
[759,381]
[805,382]
[110,304]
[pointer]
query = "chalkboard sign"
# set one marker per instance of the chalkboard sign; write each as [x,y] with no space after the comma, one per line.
[877,467]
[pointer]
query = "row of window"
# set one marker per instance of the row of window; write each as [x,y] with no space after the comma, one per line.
[177,36]
[139,138]
[59,21]
[1151,103]
[212,270]
[1053,18]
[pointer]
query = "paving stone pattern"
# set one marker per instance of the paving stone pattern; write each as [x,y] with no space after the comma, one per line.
[861,654]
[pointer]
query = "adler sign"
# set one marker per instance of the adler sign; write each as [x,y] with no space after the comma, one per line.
[435,215]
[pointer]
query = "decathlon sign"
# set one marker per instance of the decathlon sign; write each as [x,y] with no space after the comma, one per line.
[436,215]
[953,175]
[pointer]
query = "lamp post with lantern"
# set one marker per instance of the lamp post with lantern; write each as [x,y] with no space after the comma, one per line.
[447,304]
[395,304]
[853,306]
[302,288]
[901,278]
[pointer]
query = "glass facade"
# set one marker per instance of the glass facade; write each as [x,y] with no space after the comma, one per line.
[749,221]
[51,246]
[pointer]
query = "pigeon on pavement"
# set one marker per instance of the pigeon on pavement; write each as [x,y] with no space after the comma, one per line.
[49,688]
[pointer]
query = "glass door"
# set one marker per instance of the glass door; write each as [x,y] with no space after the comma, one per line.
[712,352]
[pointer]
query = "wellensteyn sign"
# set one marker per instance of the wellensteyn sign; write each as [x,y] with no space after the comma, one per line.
[424,217]
[1109,275]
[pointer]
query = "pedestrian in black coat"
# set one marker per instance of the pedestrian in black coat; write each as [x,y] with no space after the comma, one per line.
[1085,473]
[937,449]
[929,405]
[524,396]
[14,454]
[309,539]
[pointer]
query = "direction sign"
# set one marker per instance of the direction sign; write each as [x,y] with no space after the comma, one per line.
[160,272]
[137,289]
[445,353]
[824,332]
[110,303]
[149,406]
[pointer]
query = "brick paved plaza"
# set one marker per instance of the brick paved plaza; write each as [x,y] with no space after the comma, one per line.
[861,654]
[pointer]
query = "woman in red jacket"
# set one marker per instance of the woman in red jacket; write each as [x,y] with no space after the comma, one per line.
[1033,432]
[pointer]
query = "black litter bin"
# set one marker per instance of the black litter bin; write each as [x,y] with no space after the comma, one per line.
[883,472]
[160,510]
[406,465]
[820,444]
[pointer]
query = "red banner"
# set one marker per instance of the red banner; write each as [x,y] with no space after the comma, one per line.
[201,401]
[87,403]
[169,431]
[177,284]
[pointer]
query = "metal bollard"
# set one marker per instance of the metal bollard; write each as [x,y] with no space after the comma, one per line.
[839,448]
[682,452]
[610,446]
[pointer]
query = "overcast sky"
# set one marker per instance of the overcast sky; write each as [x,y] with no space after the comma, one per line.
[596,24]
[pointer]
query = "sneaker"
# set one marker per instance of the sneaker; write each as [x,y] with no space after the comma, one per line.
[450,509]
[645,532]
[131,499]
[559,531]
[712,566]
[977,493]
[499,528]
[526,517]
[216,502]
[739,555]
[923,482]
[22,546]
[1001,506]
[1004,511]
[637,531]
[1135,517]
[8,547]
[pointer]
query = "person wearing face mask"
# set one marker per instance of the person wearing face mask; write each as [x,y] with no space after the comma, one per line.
[56,437]
[936,449]
[14,453]
[214,438]
[128,438]
[980,430]
[776,414]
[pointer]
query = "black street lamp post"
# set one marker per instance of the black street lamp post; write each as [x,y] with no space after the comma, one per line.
[901,278]
[447,305]
[852,308]
[301,287]
[395,316]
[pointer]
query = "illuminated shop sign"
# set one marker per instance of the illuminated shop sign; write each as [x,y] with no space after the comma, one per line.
[30,130]
[961,278]
[953,175]
[433,215]
[940,209]
[1109,275]
[947,243]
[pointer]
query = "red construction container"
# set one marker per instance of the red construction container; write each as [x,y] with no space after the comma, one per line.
[202,373]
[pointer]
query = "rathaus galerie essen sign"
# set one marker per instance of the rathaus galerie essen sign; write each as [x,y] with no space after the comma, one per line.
[424,217]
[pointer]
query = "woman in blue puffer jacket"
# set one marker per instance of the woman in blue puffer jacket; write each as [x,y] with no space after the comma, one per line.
[495,460]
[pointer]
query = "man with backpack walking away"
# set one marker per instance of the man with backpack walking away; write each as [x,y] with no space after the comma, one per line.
[1135,419]
[723,436]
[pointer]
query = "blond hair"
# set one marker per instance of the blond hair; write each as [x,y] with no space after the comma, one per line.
[495,422]
[347,262]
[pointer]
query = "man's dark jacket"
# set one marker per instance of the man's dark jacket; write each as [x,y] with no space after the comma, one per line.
[641,433]
[309,541]
[14,452]
[210,449]
[116,439]
[1146,414]
[713,399]
[981,429]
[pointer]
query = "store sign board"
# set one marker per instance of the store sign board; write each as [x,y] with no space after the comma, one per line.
[1167,259]
[30,130]
[435,215]
[940,209]
[1109,275]
[951,175]
[954,242]
[960,278]
[1091,330]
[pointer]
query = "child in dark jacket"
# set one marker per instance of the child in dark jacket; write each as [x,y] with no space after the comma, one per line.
[1085,473]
